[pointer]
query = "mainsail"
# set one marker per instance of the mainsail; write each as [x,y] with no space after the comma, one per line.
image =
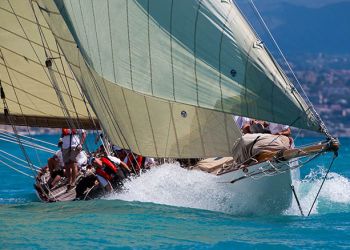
[164,77]
[25,79]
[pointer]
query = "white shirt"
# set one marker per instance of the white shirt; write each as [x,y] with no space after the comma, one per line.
[114,159]
[240,120]
[75,139]
[149,161]
[82,158]
[60,157]
[276,128]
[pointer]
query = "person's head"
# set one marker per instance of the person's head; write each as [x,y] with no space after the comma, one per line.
[55,157]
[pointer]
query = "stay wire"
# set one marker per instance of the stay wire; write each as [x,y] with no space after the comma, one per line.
[324,179]
[322,125]
[8,116]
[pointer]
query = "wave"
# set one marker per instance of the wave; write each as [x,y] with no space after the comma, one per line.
[172,185]
[333,198]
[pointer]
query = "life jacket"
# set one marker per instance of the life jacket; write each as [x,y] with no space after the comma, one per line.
[67,131]
[108,169]
[134,163]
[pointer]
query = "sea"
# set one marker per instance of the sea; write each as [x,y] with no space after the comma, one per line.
[171,208]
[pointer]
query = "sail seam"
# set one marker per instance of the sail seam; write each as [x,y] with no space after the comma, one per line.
[173,122]
[35,52]
[195,49]
[245,79]
[131,123]
[104,103]
[130,61]
[220,51]
[149,45]
[83,22]
[100,60]
[38,97]
[171,47]
[111,39]
[24,18]
[200,132]
[36,80]
[150,123]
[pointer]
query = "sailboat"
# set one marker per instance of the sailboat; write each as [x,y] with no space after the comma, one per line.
[161,78]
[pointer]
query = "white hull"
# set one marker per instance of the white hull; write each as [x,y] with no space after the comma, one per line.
[261,193]
[267,195]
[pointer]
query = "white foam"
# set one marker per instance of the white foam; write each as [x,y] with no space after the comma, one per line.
[336,190]
[172,185]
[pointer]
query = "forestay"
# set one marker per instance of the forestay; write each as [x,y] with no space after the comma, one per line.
[164,76]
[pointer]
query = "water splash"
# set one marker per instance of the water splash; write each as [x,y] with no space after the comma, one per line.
[334,196]
[172,185]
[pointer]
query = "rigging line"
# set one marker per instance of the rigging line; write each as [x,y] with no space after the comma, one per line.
[50,76]
[69,89]
[39,28]
[323,126]
[83,95]
[324,179]
[109,112]
[14,128]
[34,96]
[19,171]
[35,139]
[71,97]
[17,163]
[15,157]
[28,145]
[13,138]
[9,116]
[104,102]
[56,87]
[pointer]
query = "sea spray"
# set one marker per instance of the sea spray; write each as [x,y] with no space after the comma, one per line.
[172,185]
[334,196]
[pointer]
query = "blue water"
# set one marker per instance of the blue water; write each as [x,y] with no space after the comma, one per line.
[170,208]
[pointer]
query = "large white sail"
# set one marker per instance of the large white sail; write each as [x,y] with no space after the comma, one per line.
[164,76]
[30,95]
[181,54]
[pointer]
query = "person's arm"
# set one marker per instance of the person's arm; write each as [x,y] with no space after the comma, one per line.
[83,137]
[286,132]
[123,165]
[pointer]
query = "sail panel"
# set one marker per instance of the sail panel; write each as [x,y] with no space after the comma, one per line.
[195,52]
[146,124]
[30,95]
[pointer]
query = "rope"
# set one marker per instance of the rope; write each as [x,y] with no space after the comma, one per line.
[11,137]
[4,152]
[28,145]
[19,171]
[322,125]
[32,138]
[324,179]
[17,163]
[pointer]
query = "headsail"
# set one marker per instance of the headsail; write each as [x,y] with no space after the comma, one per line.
[164,76]
[30,95]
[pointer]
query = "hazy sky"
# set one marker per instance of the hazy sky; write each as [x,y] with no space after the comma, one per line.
[307,3]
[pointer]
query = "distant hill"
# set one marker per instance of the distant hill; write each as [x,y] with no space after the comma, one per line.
[299,29]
